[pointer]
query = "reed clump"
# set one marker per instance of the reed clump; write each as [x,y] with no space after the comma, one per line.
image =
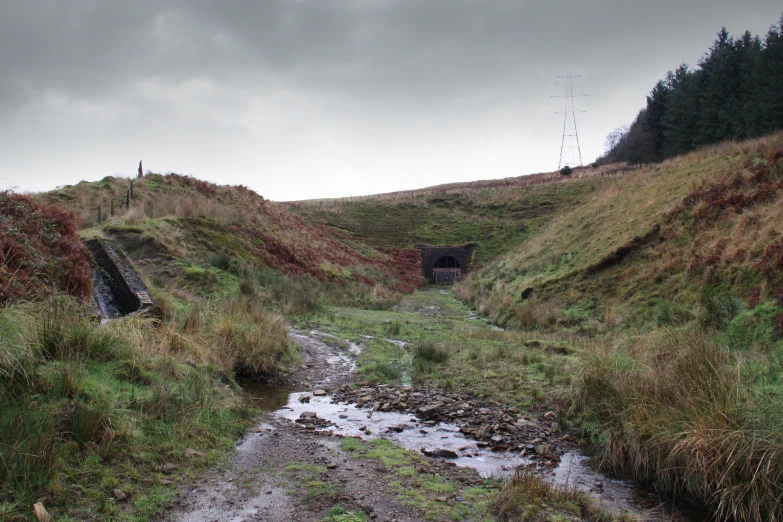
[676,408]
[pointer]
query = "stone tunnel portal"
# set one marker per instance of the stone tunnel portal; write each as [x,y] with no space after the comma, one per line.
[445,264]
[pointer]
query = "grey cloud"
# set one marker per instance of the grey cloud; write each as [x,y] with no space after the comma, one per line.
[412,49]
[346,79]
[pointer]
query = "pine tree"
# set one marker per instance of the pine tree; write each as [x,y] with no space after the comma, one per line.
[735,93]
[657,106]
[719,101]
[770,77]
[681,122]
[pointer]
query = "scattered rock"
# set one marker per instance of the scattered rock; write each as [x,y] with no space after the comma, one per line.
[304,399]
[544,450]
[169,468]
[425,412]
[319,393]
[190,453]
[308,415]
[448,454]
[491,425]
[40,513]
[119,495]
[441,452]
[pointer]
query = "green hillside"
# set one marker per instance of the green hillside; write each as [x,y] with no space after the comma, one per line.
[496,215]
[667,282]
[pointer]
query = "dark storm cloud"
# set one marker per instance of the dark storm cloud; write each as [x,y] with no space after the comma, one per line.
[311,86]
[411,50]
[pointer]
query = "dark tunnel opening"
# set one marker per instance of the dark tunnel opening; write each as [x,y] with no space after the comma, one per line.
[447,262]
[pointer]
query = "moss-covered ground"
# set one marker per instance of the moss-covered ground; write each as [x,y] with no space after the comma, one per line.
[511,367]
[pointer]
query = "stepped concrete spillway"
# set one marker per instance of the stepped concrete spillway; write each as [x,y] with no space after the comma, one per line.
[117,287]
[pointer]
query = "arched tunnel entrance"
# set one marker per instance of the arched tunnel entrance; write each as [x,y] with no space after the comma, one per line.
[446,270]
[445,264]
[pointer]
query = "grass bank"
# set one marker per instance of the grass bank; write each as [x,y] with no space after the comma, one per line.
[175,219]
[93,417]
[679,408]
[656,237]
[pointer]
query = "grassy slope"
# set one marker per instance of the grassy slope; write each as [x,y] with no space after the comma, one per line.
[595,241]
[673,277]
[87,409]
[669,281]
[497,218]
[662,233]
[177,217]
[90,413]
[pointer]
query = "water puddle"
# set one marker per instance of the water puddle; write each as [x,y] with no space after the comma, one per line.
[266,397]
[404,430]
[445,440]
[575,470]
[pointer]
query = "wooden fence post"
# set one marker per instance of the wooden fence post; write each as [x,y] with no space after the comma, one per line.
[111,207]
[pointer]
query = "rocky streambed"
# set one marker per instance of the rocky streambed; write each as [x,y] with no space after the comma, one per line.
[498,430]
[458,437]
[460,431]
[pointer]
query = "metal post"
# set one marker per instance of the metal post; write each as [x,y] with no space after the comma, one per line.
[99,214]
[111,207]
[131,189]
[127,200]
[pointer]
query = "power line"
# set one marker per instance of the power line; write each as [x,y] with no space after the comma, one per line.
[570,139]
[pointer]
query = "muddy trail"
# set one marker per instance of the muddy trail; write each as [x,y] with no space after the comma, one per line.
[328,447]
[275,466]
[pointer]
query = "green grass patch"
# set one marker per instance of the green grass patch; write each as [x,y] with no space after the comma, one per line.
[87,408]
[441,344]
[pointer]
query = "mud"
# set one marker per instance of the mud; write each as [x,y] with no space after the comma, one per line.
[258,487]
[255,485]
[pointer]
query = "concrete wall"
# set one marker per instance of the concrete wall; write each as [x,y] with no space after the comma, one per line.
[117,287]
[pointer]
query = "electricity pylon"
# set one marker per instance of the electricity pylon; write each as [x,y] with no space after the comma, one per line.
[567,157]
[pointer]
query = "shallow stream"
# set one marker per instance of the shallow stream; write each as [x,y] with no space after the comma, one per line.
[574,470]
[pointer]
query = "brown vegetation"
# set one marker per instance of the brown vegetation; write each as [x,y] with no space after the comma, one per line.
[40,251]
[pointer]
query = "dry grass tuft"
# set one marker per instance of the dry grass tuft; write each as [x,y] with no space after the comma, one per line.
[528,497]
[676,408]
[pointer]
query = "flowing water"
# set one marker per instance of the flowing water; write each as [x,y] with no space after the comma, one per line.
[574,470]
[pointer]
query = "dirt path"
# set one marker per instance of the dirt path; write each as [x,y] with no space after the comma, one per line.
[272,475]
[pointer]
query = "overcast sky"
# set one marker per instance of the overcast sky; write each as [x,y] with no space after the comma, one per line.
[300,99]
